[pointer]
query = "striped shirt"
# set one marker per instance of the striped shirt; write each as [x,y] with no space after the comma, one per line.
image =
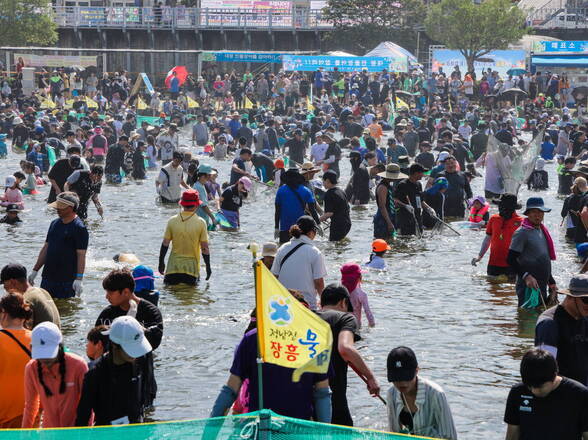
[433,417]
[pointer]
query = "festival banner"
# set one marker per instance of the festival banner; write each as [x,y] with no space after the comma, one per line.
[250,12]
[91,16]
[289,334]
[56,60]
[560,46]
[247,57]
[307,63]
[500,61]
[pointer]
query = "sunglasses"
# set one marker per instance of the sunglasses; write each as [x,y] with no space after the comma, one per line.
[584,299]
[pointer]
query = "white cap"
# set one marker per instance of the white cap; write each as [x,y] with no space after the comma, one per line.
[129,334]
[45,340]
[442,156]
[10,180]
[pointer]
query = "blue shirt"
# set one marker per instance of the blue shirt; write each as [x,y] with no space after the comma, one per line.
[291,205]
[174,85]
[234,175]
[547,149]
[234,126]
[64,240]
[376,263]
[395,153]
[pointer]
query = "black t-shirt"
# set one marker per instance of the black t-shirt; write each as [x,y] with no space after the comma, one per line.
[339,321]
[235,176]
[412,190]
[60,171]
[232,200]
[336,202]
[148,316]
[556,328]
[63,242]
[296,150]
[114,160]
[561,415]
[360,185]
[581,235]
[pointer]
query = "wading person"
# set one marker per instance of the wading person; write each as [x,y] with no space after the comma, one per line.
[416,405]
[531,252]
[63,256]
[385,216]
[170,181]
[188,235]
[336,207]
[112,388]
[545,406]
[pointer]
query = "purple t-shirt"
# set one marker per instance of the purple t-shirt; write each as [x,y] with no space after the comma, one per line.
[280,394]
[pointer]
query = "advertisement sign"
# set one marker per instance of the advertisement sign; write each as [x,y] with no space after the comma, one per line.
[56,60]
[246,57]
[120,15]
[560,46]
[343,64]
[252,12]
[498,60]
[91,16]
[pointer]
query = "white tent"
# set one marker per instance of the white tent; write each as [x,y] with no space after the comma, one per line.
[339,53]
[391,50]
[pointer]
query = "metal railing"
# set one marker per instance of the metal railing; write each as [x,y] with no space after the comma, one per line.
[558,18]
[180,17]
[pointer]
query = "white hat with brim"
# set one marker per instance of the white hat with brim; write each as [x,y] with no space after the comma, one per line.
[45,340]
[130,335]
[392,172]
[64,200]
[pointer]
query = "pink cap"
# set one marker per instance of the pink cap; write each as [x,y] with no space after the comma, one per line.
[247,184]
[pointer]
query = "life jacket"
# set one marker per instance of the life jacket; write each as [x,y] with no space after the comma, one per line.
[478,216]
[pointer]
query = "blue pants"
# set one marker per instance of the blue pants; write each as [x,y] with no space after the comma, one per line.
[58,289]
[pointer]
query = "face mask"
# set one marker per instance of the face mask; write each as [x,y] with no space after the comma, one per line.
[505,212]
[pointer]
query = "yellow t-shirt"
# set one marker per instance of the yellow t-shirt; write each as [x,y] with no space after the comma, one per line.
[186,231]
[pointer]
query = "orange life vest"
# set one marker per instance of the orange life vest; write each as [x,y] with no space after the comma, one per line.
[478,216]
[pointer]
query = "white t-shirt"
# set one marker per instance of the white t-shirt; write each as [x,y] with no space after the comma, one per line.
[318,151]
[170,188]
[301,268]
[168,144]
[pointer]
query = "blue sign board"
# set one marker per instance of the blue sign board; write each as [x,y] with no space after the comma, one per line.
[247,57]
[562,46]
[343,64]
[147,83]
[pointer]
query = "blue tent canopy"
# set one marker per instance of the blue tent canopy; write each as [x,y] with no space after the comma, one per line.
[560,61]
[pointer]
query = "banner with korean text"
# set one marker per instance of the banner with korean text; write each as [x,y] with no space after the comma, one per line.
[307,63]
[289,334]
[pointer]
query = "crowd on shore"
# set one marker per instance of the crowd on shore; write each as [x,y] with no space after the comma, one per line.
[412,157]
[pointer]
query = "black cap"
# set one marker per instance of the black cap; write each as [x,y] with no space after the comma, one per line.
[13,207]
[306,224]
[13,271]
[402,365]
[417,168]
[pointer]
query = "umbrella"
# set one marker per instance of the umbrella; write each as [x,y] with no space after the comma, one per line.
[181,73]
[514,92]
[516,72]
[580,93]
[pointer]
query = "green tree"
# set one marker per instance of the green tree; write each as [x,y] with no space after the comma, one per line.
[475,29]
[24,23]
[359,26]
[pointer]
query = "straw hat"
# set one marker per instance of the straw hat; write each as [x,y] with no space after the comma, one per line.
[308,167]
[392,172]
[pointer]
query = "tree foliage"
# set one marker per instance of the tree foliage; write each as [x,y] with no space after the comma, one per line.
[475,29]
[24,23]
[359,26]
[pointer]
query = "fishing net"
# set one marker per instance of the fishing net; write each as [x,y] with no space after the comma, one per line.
[532,297]
[260,425]
[513,164]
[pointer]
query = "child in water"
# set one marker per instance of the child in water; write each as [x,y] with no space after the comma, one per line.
[351,279]
[11,217]
[379,249]
[12,193]
[30,186]
[479,210]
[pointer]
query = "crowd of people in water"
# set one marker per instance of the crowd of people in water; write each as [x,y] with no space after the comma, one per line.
[413,147]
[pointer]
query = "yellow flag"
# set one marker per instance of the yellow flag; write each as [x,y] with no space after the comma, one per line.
[192,103]
[289,334]
[69,103]
[248,103]
[91,103]
[308,103]
[401,104]
[141,104]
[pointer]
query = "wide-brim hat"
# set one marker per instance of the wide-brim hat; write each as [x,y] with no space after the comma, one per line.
[392,172]
[536,203]
[578,286]
[190,198]
[308,167]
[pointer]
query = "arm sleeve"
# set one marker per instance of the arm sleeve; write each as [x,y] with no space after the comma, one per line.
[74,177]
[153,325]
[368,311]
[445,425]
[87,400]
[513,261]
[485,245]
[468,188]
[31,406]
[511,412]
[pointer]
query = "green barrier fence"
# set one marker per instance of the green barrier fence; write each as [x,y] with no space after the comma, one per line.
[260,425]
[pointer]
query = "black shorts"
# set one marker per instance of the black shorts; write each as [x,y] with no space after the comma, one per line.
[495,271]
[180,278]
